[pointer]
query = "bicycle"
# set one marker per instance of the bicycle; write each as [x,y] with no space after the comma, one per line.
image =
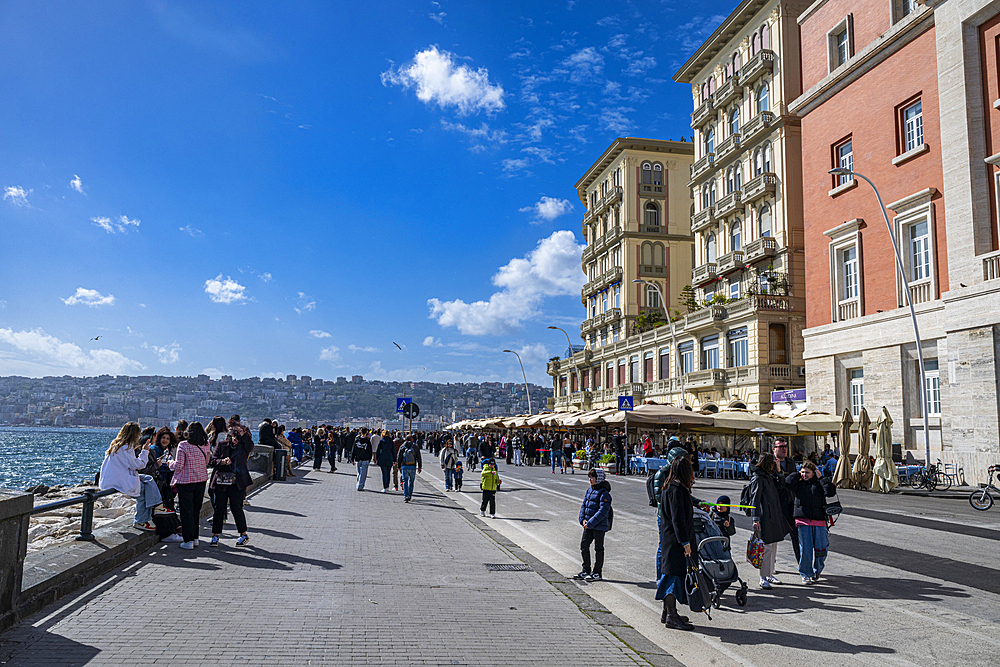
[930,478]
[981,499]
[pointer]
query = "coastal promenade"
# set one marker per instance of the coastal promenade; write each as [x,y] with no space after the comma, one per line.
[334,576]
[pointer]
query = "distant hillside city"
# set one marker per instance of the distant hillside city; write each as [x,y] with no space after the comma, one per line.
[154,400]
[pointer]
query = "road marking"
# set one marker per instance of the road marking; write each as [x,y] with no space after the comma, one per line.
[613,539]
[953,628]
[532,504]
[552,513]
[803,621]
[575,499]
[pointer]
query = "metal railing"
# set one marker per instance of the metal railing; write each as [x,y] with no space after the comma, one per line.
[87,519]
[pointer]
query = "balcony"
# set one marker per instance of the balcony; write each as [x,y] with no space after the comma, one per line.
[848,309]
[588,252]
[701,167]
[755,126]
[759,248]
[728,204]
[702,113]
[727,92]
[612,196]
[727,147]
[920,291]
[702,219]
[991,266]
[703,274]
[713,378]
[756,67]
[651,189]
[759,186]
[654,271]
[706,317]
[729,262]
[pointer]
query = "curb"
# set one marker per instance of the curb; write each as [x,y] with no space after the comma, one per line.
[625,633]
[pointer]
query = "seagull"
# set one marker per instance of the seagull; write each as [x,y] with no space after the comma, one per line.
[397,345]
[95,338]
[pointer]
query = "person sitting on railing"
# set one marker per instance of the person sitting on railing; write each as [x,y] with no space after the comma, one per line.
[120,471]
[161,449]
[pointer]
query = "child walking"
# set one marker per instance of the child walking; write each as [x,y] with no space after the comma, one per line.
[490,485]
[458,476]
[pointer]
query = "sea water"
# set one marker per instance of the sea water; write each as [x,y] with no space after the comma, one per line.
[50,456]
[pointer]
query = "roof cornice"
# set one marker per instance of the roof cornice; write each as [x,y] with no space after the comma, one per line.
[622,144]
[735,22]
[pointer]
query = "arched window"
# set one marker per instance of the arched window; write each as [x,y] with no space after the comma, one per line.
[711,193]
[762,102]
[738,405]
[704,197]
[738,175]
[647,253]
[729,71]
[647,173]
[754,44]
[734,121]
[710,253]
[704,92]
[730,180]
[657,174]
[735,236]
[736,62]
[709,141]
[765,37]
[652,214]
[758,165]
[764,218]
[766,157]
[658,255]
[711,85]
[708,407]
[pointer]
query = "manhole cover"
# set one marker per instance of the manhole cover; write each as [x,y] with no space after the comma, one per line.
[507,567]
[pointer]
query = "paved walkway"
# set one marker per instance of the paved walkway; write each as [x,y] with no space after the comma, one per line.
[331,576]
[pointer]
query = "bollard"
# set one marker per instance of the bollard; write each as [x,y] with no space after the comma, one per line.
[87,519]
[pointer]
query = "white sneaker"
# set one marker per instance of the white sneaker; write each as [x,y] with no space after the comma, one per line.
[187,545]
[493,516]
[385,490]
[197,542]
[482,513]
[773,580]
[173,538]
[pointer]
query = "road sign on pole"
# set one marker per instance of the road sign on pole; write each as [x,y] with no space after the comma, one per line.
[625,403]
[400,402]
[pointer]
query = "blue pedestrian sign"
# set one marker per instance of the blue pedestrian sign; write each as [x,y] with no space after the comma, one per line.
[625,403]
[400,402]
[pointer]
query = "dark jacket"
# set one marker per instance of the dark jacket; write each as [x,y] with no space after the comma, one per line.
[400,455]
[810,497]
[596,506]
[767,506]
[676,528]
[486,450]
[237,449]
[265,436]
[362,449]
[384,456]
[785,495]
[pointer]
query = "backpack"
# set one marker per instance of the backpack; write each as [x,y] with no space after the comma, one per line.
[611,518]
[649,490]
[409,456]
[745,499]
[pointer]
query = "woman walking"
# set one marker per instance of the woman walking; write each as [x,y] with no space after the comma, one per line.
[810,518]
[385,456]
[490,486]
[768,518]
[677,541]
[230,477]
[190,470]
[120,471]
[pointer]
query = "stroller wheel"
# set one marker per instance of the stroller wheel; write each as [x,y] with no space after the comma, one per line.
[741,597]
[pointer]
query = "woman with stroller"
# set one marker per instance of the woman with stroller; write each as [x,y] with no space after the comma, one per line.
[768,518]
[810,517]
[677,541]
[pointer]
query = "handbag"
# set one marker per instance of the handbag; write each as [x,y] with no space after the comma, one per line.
[225,479]
[697,588]
[833,506]
[166,523]
[755,550]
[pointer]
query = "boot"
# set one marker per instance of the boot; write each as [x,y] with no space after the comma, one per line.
[673,619]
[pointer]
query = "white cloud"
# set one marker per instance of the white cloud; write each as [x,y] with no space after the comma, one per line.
[430,341]
[76,184]
[16,195]
[191,231]
[319,333]
[168,354]
[266,277]
[639,64]
[548,209]
[585,65]
[119,224]
[615,121]
[224,291]
[306,304]
[331,353]
[215,373]
[439,17]
[510,165]
[551,269]
[355,348]
[47,353]
[481,136]
[439,80]
[89,297]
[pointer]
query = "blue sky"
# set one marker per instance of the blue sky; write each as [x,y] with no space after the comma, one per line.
[292,187]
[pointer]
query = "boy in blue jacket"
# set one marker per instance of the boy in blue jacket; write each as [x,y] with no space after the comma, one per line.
[595,517]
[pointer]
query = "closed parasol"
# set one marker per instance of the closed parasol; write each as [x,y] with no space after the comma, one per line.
[884,475]
[843,477]
[863,464]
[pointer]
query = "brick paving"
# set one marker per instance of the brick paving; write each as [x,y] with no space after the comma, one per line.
[331,576]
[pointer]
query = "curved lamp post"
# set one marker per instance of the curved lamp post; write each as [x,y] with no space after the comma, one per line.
[572,355]
[673,336]
[526,392]
[843,171]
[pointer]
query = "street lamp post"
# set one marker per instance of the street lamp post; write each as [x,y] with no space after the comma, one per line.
[526,392]
[843,171]
[673,336]
[576,369]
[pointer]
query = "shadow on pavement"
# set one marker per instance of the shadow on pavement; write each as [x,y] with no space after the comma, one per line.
[269,510]
[29,648]
[789,639]
[249,556]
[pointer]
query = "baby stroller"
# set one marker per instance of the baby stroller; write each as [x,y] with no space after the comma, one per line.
[715,560]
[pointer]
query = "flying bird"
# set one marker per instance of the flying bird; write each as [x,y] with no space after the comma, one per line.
[397,345]
[95,338]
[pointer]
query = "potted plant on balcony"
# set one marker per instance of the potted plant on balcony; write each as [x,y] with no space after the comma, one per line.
[607,462]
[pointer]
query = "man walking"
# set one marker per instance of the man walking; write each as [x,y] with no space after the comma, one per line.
[595,514]
[409,464]
[619,443]
[362,456]
[786,466]
[449,457]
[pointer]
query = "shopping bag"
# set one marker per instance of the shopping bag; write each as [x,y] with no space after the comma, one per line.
[697,589]
[755,550]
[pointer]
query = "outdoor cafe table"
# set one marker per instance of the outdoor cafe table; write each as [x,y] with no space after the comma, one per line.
[647,463]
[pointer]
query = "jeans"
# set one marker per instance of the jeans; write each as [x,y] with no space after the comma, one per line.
[813,544]
[190,498]
[556,460]
[149,497]
[449,475]
[386,473]
[409,473]
[362,474]
[232,495]
[517,457]
[597,537]
[395,477]
[489,498]
[659,545]
[332,456]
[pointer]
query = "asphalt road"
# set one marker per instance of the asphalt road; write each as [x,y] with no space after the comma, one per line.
[909,580]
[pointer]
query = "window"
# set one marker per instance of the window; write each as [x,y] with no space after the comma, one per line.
[762,160]
[845,159]
[647,253]
[765,37]
[709,141]
[664,363]
[614,333]
[652,298]
[734,289]
[849,267]
[617,296]
[621,371]
[604,301]
[920,251]
[778,343]
[604,337]
[609,375]
[593,307]
[657,174]
[686,353]
[857,379]
[842,47]
[754,45]
[709,352]
[840,43]
[647,173]
[933,403]
[633,363]
[704,93]
[659,255]
[762,103]
[616,177]
[736,62]
[652,214]
[730,181]
[647,367]
[735,236]
[913,127]
[765,220]
[734,121]
[711,192]
[710,252]
[737,351]
[907,7]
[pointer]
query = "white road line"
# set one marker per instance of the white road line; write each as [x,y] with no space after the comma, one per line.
[803,621]
[532,504]
[575,499]
[552,513]
[613,539]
